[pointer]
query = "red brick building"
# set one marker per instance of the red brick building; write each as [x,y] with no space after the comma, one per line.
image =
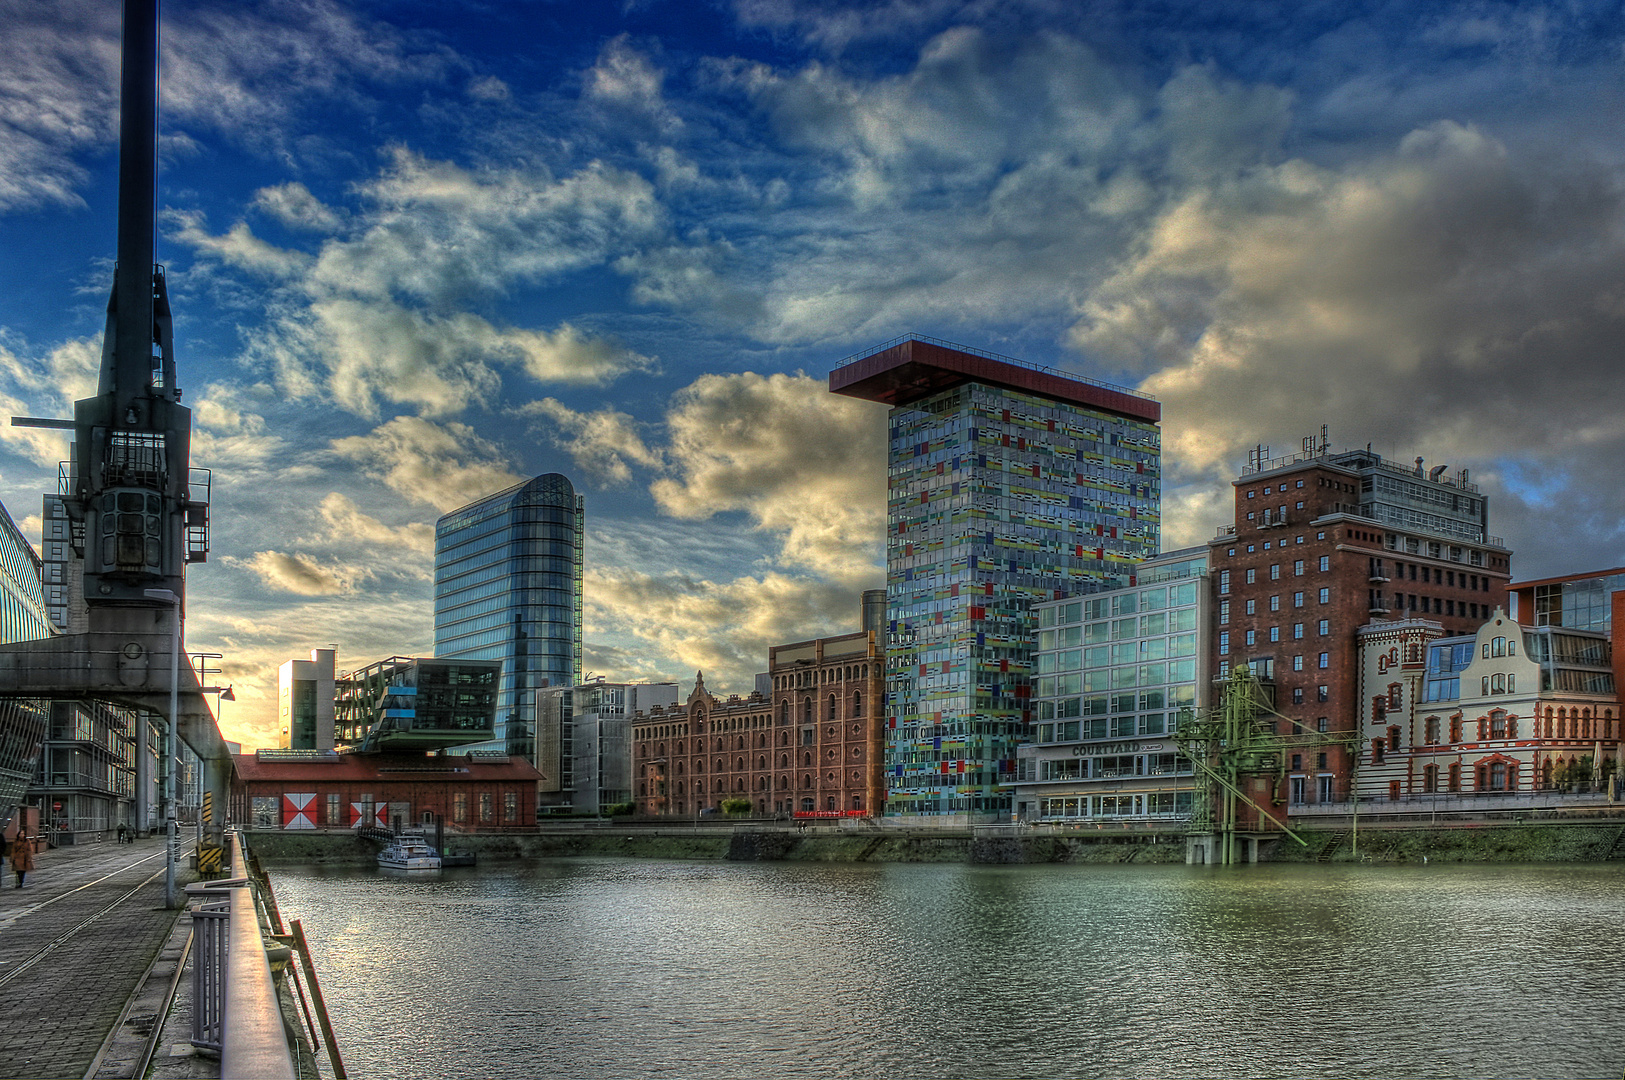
[1324,543]
[322,790]
[815,745]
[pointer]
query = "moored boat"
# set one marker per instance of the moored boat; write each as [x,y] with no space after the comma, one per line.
[408,854]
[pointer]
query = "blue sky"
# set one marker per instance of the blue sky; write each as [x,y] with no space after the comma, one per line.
[417,251]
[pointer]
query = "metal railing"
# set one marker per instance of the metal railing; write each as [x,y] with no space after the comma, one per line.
[211,926]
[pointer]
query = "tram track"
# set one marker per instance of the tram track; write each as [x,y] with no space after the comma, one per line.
[63,938]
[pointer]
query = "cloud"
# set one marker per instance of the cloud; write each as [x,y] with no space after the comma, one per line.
[346,523]
[628,83]
[1447,297]
[443,465]
[45,386]
[723,628]
[604,444]
[301,574]
[802,463]
[239,247]
[245,73]
[380,315]
[293,205]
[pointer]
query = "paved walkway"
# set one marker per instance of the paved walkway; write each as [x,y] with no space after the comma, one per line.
[74,944]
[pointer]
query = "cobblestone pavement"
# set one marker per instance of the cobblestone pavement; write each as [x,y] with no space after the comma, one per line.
[57,1007]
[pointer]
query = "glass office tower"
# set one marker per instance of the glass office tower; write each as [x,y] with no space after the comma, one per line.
[1007,484]
[507,586]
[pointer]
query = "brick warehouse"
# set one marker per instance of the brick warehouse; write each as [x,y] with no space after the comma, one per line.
[322,790]
[1323,544]
[814,746]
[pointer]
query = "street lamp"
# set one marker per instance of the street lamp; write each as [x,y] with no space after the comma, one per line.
[171,840]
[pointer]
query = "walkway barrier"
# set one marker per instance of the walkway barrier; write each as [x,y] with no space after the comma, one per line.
[235,1008]
[211,925]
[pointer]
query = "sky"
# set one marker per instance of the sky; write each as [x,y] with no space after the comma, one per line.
[420,251]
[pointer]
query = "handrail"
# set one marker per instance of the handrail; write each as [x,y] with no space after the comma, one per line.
[255,1042]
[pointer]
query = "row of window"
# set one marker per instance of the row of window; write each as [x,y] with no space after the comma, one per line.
[813,676]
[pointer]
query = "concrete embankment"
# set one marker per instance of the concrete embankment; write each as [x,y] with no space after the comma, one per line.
[1500,842]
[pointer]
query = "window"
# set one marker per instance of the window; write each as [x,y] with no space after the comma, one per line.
[1297,631]
[1275,571]
[459,806]
[1325,560]
[1275,603]
[831,708]
[1297,695]
[1224,611]
[510,807]
[485,806]
[1252,638]
[1325,626]
[1297,567]
[1431,727]
[1252,575]
[1224,580]
[335,811]
[1322,693]
[1297,662]
[1224,642]
[1325,596]
[1275,633]
[1325,660]
[1297,599]
[1323,725]
[1252,607]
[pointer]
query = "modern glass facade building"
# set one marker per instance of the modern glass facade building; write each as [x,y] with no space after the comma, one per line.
[1008,484]
[1113,673]
[22,593]
[507,586]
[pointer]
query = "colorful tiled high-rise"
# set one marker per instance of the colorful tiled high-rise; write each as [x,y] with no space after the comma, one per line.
[1008,484]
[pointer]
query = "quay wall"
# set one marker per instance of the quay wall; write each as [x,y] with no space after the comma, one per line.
[1526,842]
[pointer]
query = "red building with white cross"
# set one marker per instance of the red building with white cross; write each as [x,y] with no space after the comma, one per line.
[294,790]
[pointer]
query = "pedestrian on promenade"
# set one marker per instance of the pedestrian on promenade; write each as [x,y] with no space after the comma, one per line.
[121,832]
[22,855]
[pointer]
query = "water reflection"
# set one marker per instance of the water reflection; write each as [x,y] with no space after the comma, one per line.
[639,968]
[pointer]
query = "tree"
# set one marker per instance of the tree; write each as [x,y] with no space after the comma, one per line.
[736,807]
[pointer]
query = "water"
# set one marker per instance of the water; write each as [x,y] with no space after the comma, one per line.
[705,969]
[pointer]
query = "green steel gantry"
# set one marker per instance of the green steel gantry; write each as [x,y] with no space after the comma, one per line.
[1231,741]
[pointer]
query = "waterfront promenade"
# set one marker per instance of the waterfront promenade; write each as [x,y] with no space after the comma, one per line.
[74,946]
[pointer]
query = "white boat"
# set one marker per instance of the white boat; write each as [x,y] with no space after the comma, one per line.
[408,854]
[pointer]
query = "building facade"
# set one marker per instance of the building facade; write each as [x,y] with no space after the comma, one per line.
[812,747]
[1324,543]
[417,704]
[1114,672]
[507,587]
[1503,710]
[305,701]
[593,722]
[24,722]
[1008,485]
[319,789]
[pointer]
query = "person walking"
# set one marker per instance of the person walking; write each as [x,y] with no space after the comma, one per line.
[22,855]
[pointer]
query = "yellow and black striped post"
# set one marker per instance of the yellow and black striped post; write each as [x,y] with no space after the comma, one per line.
[210,857]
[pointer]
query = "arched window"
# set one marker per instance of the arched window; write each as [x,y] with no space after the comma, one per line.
[740,767]
[1498,647]
[806,781]
[1430,779]
[739,784]
[719,765]
[1455,776]
[679,747]
[857,703]
[784,712]
[784,761]
[1498,724]
[761,762]
[741,742]
[806,758]
[784,783]
[831,707]
[806,710]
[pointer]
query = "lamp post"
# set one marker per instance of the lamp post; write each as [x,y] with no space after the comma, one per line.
[170,742]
